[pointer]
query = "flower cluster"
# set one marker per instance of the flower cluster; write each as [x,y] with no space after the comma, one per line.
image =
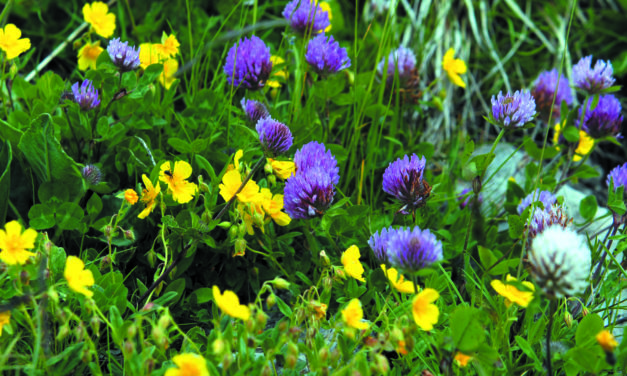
[125,57]
[545,197]
[547,217]
[91,174]
[254,110]
[403,61]
[306,16]
[604,120]
[248,64]
[592,80]
[547,88]
[85,95]
[325,56]
[513,110]
[161,53]
[403,179]
[274,136]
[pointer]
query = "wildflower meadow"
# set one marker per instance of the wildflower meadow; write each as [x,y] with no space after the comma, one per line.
[305,187]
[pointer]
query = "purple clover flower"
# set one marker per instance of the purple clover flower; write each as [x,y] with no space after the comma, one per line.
[314,154]
[275,137]
[544,91]
[85,95]
[308,194]
[464,198]
[124,57]
[513,111]
[378,243]
[604,120]
[306,16]
[91,174]
[254,110]
[549,216]
[326,56]
[618,176]
[410,250]
[592,80]
[545,197]
[403,179]
[404,61]
[248,64]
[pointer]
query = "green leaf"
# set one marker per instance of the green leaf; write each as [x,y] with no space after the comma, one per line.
[103,127]
[516,226]
[528,350]
[571,134]
[151,73]
[41,217]
[57,260]
[6,156]
[466,330]
[536,153]
[177,286]
[69,216]
[588,207]
[202,295]
[587,330]
[283,307]
[180,146]
[94,206]
[10,134]
[117,324]
[488,258]
[585,172]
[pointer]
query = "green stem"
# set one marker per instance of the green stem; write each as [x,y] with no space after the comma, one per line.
[548,338]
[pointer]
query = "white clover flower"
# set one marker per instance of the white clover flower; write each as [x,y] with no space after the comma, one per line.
[560,261]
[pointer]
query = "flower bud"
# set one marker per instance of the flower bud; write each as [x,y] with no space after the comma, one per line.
[218,346]
[266,371]
[91,174]
[261,319]
[164,321]
[131,331]
[271,180]
[568,319]
[271,300]
[148,306]
[381,363]
[323,354]
[324,259]
[129,347]
[280,283]
[64,330]
[129,235]
[290,361]
[105,263]
[207,216]
[227,360]
[240,247]
[267,168]
[95,325]
[24,277]
[152,258]
[225,225]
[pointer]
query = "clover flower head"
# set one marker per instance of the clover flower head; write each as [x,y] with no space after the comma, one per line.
[402,60]
[549,216]
[125,57]
[305,15]
[314,154]
[275,137]
[378,243]
[560,261]
[325,56]
[255,110]
[464,198]
[403,179]
[593,80]
[547,87]
[85,95]
[91,174]
[513,110]
[618,176]
[410,250]
[545,197]
[248,63]
[604,120]
[309,193]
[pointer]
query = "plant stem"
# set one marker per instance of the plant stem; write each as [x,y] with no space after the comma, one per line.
[548,337]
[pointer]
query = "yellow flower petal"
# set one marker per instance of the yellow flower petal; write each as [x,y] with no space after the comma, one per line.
[352,265]
[148,55]
[5,318]
[169,46]
[425,313]
[229,304]
[182,191]
[11,43]
[97,15]
[149,195]
[131,196]
[14,243]
[188,364]
[167,78]
[231,182]
[78,278]
[606,340]
[511,293]
[462,359]
[353,315]
[282,169]
[454,67]
[88,55]
[276,60]
[398,280]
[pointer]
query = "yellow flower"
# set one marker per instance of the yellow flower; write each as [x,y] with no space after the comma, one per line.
[454,67]
[424,311]
[352,265]
[14,243]
[97,15]
[5,318]
[462,359]
[398,280]
[182,191]
[511,293]
[229,304]
[282,169]
[606,340]
[585,146]
[326,8]
[319,309]
[353,314]
[149,195]
[188,365]
[276,60]
[168,47]
[131,196]
[273,205]
[88,55]
[11,43]
[78,278]
[231,182]
[167,78]
[148,55]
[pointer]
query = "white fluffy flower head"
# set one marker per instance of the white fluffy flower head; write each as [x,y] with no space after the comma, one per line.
[560,261]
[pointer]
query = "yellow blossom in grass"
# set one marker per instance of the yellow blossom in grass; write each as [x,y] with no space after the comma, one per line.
[188,364]
[167,78]
[352,265]
[229,304]
[88,55]
[168,47]
[11,43]
[585,146]
[398,280]
[319,309]
[462,359]
[282,169]
[5,318]
[424,311]
[273,205]
[148,55]
[353,314]
[131,196]
[606,340]
[326,8]
[511,293]
[14,243]
[231,182]
[149,195]
[276,60]
[78,278]
[454,67]
[175,175]
[97,15]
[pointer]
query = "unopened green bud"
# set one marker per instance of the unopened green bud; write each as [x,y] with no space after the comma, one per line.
[131,331]
[225,225]
[324,259]
[218,346]
[280,283]
[164,321]
[240,247]
[129,235]
[271,300]
[271,180]
[95,325]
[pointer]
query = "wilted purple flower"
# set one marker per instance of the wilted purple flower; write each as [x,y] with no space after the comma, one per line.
[124,57]
[513,111]
[275,137]
[592,80]
[464,198]
[604,120]
[404,61]
[91,174]
[618,176]
[549,216]
[308,194]
[248,63]
[326,56]
[545,89]
[403,179]
[545,197]
[378,243]
[314,154]
[254,110]
[85,95]
[410,250]
[306,16]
